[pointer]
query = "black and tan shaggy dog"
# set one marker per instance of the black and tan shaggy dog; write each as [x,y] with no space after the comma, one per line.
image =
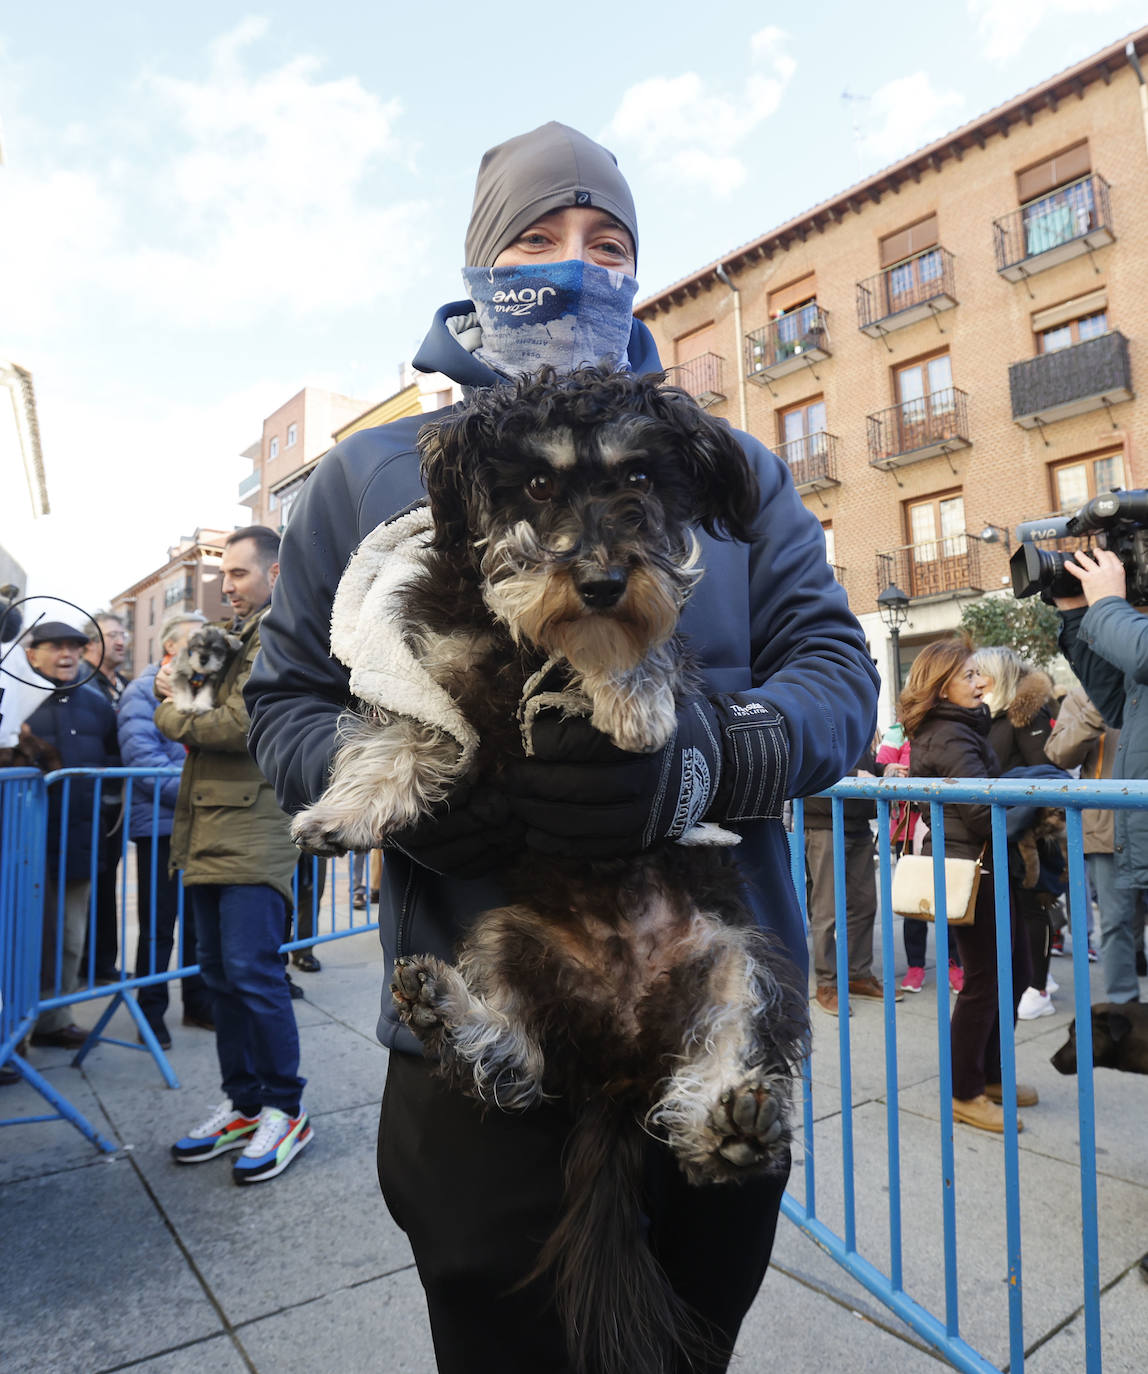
[549,575]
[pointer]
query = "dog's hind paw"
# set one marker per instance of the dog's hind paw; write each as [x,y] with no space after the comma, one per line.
[316,831]
[748,1126]
[417,989]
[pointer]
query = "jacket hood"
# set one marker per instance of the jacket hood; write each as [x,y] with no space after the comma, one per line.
[441,351]
[1033,691]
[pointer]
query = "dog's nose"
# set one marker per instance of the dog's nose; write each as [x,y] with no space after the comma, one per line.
[601,588]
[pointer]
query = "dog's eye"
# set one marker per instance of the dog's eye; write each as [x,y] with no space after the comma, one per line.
[637,480]
[541,487]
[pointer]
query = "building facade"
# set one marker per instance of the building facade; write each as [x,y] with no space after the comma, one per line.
[190,580]
[948,348]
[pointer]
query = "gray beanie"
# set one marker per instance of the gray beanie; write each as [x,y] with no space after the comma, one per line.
[547,169]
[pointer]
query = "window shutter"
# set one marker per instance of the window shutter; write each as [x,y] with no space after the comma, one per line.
[1070,310]
[786,297]
[1054,171]
[690,346]
[905,242]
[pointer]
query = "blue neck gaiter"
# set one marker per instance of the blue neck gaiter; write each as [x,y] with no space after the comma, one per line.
[561,314]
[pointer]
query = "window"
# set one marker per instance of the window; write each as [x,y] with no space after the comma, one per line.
[1056,199]
[1072,332]
[939,553]
[689,346]
[801,433]
[292,435]
[830,543]
[794,316]
[927,401]
[274,449]
[1080,479]
[151,610]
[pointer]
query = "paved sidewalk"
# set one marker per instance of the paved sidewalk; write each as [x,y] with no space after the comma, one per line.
[130,1262]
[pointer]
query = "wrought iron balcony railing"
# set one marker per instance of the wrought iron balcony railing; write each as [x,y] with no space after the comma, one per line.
[1067,222]
[812,459]
[791,342]
[909,291]
[939,567]
[1071,381]
[922,428]
[701,377]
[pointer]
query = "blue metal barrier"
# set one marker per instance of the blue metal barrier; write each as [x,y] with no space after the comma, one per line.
[943,1331]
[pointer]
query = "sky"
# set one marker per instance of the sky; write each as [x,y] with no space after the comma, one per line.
[204,208]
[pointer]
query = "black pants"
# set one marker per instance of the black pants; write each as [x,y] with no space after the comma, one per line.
[1038,931]
[153,999]
[975,1027]
[478,1193]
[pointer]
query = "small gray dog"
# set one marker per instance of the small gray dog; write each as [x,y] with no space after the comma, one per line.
[198,668]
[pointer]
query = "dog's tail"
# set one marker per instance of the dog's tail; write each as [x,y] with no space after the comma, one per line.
[620,1313]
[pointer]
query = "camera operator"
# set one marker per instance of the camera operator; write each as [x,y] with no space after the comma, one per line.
[1105,639]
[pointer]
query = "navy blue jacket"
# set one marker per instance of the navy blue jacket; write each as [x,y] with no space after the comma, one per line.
[1107,645]
[767,621]
[82,725]
[144,745]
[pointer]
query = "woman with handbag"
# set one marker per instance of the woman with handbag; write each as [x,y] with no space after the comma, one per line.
[944,716]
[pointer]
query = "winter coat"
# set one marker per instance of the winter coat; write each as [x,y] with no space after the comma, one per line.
[227,827]
[144,745]
[857,812]
[1081,737]
[767,621]
[903,819]
[1107,646]
[953,742]
[82,726]
[1017,733]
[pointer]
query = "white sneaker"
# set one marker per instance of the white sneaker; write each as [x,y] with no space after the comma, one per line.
[1034,1003]
[1051,985]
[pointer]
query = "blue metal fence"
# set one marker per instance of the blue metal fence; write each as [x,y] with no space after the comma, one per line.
[27,990]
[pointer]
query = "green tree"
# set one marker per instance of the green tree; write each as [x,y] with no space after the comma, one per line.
[1029,626]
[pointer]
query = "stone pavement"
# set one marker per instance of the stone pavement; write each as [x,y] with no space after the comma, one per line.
[129,1262]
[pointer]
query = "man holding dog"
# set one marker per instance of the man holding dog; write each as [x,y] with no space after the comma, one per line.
[235,849]
[788,704]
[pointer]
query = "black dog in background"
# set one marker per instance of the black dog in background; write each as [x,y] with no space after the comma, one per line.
[1119,1039]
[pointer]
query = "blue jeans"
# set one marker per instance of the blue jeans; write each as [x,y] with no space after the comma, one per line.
[238,932]
[1121,930]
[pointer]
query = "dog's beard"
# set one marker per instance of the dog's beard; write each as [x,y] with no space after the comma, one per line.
[533,594]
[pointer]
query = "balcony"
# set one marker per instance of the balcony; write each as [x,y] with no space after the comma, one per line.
[947,567]
[250,485]
[787,344]
[915,430]
[701,377]
[913,290]
[1073,220]
[1071,381]
[812,458]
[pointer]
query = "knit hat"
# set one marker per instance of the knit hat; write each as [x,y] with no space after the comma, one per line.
[550,168]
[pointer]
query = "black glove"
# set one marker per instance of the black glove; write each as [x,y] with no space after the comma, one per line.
[467,836]
[581,795]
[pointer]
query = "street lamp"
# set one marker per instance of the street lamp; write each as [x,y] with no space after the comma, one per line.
[996,534]
[893,605]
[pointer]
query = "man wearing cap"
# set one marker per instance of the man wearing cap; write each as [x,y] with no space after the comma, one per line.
[477,1193]
[80,724]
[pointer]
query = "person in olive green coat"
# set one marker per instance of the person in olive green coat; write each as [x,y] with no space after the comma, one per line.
[234,846]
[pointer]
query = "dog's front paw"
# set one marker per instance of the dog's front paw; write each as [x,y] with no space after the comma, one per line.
[318,832]
[748,1125]
[417,989]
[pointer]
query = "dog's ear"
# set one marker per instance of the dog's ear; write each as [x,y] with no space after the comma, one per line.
[443,447]
[233,642]
[1117,1025]
[726,493]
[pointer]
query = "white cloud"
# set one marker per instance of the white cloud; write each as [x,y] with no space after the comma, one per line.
[251,193]
[1004,26]
[903,115]
[692,133]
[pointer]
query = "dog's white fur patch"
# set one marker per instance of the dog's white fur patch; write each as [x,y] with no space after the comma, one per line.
[556,446]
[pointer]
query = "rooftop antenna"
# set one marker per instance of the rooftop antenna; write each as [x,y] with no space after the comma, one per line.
[854,102]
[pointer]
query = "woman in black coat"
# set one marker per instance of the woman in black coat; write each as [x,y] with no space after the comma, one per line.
[944,716]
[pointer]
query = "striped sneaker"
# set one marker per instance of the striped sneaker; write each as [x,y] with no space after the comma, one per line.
[273,1146]
[225,1129]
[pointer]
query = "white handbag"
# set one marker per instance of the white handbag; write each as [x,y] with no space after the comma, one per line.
[913,893]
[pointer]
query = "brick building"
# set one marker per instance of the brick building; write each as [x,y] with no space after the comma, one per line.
[947,348]
[190,580]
